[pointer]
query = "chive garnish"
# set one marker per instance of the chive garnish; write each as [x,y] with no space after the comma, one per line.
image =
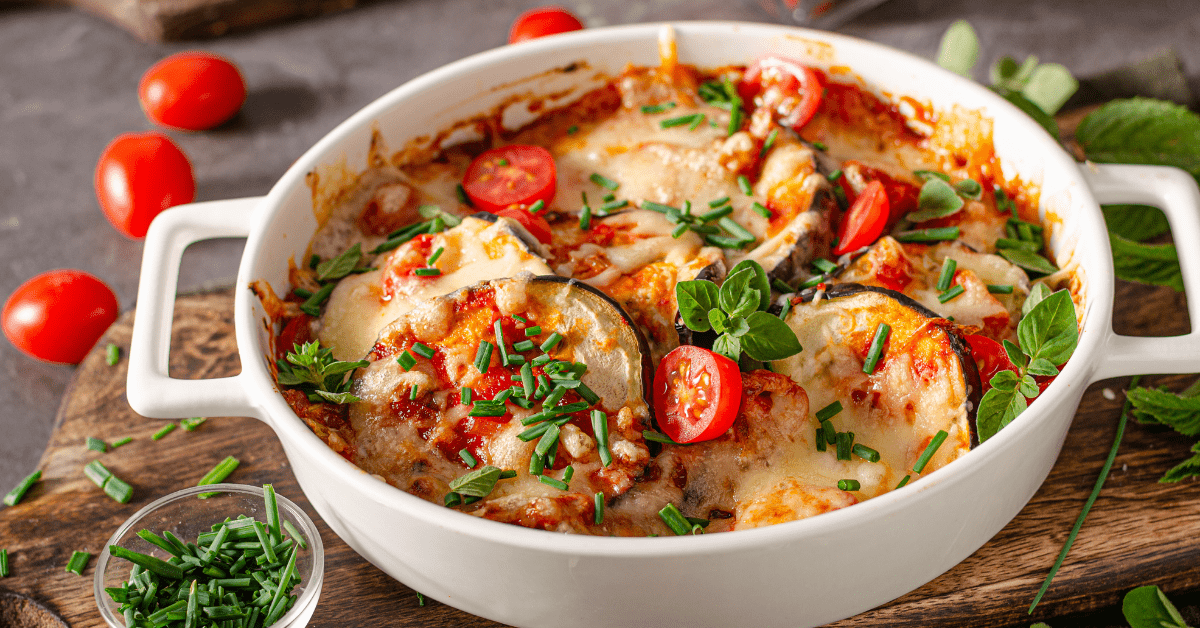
[427,272]
[436,254]
[501,344]
[551,342]
[466,456]
[558,484]
[930,450]
[527,378]
[166,429]
[406,360]
[866,453]
[950,294]
[657,437]
[761,210]
[716,214]
[612,205]
[787,307]
[780,286]
[724,242]
[502,396]
[948,268]
[568,473]
[483,356]
[657,207]
[4,561]
[600,429]
[1000,289]
[848,485]
[845,444]
[423,350]
[149,563]
[936,234]
[659,108]
[537,465]
[762,152]
[719,202]
[604,181]
[821,444]
[744,184]
[540,360]
[572,407]
[820,146]
[599,499]
[585,215]
[523,345]
[548,441]
[464,395]
[830,433]
[189,424]
[95,444]
[112,354]
[218,474]
[834,176]
[876,351]
[571,130]
[675,520]
[694,119]
[14,496]
[904,481]
[536,207]
[487,408]
[824,266]
[118,490]
[413,392]
[829,411]
[96,472]
[533,331]
[78,562]
[312,306]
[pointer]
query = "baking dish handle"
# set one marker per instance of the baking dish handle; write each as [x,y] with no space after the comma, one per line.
[150,389]
[1175,192]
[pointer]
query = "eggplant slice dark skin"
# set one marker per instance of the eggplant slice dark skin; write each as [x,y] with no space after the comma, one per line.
[786,255]
[413,443]
[925,381]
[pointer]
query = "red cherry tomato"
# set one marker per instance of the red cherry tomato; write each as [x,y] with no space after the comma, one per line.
[541,22]
[296,332]
[789,89]
[990,357]
[57,316]
[865,221]
[697,394]
[515,175]
[139,176]
[536,225]
[192,90]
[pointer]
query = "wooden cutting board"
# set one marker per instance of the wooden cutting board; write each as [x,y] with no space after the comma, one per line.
[1139,532]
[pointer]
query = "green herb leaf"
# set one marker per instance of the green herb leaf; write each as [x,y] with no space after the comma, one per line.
[1153,264]
[1049,86]
[1038,292]
[717,319]
[969,188]
[926,175]
[997,409]
[429,212]
[1142,131]
[315,371]
[1148,607]
[1050,331]
[1014,352]
[344,397]
[1043,367]
[341,265]
[1006,73]
[728,346]
[758,282]
[695,299]
[1186,469]
[937,200]
[769,338]
[1181,412]
[736,284]
[959,49]
[1029,261]
[1029,386]
[477,483]
[1030,109]
[1135,222]
[737,326]
[1005,380]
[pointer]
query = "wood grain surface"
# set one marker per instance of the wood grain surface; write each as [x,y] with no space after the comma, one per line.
[1139,532]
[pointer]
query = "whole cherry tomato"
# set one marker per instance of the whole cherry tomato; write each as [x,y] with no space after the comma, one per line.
[865,221]
[139,176]
[697,394]
[990,357]
[786,87]
[536,225]
[541,22]
[59,315]
[192,90]
[517,175]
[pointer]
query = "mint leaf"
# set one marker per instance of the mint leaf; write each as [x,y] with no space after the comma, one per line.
[1049,86]
[1152,406]
[1185,469]
[769,338]
[1148,607]
[758,282]
[1030,109]
[694,299]
[1135,222]
[1038,292]
[1153,264]
[728,346]
[959,49]
[997,409]
[341,265]
[937,200]
[1142,131]
[1050,330]
[1029,261]
[736,285]
[477,483]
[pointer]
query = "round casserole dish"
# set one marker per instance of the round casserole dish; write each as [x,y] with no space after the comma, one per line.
[801,573]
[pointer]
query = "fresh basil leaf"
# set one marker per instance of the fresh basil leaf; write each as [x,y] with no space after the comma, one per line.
[748,303]
[477,483]
[1135,222]
[737,326]
[341,265]
[1014,353]
[937,200]
[1030,109]
[734,287]
[344,397]
[1043,367]
[1185,469]
[758,282]
[1029,386]
[429,212]
[1005,380]
[1049,86]
[1148,607]
[1038,292]
[1142,131]
[969,188]
[959,49]
[1160,407]
[1051,330]
[694,299]
[769,338]
[926,175]
[997,409]
[728,346]
[717,319]
[1029,261]
[1152,264]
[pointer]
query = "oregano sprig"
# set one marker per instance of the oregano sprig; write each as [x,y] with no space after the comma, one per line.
[737,311]
[315,371]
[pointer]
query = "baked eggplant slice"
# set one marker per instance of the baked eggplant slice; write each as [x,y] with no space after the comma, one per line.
[413,429]
[478,248]
[800,230]
[925,380]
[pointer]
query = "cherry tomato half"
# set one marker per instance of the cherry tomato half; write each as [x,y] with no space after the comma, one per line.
[865,221]
[541,22]
[990,357]
[59,315]
[192,90]
[515,175]
[786,87]
[697,394]
[139,176]
[536,225]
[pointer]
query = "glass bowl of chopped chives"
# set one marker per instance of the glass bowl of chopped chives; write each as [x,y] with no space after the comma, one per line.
[212,556]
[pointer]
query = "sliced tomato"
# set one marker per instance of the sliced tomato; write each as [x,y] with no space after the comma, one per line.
[865,221]
[536,225]
[990,357]
[543,21]
[296,332]
[786,87]
[902,196]
[516,175]
[697,394]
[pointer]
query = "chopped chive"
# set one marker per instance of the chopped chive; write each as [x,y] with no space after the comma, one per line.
[936,234]
[95,444]
[312,306]
[787,307]
[501,344]
[466,456]
[571,130]
[599,499]
[848,485]
[829,411]
[744,185]
[585,215]
[587,393]
[549,440]
[824,266]
[423,350]
[761,210]
[554,396]
[762,152]
[674,519]
[948,268]
[1000,289]
[502,396]
[117,489]
[413,392]
[507,474]
[904,481]
[815,280]
[406,360]
[611,205]
[736,230]
[950,294]
[519,318]
[659,108]
[523,346]
[189,424]
[112,354]
[782,287]
[604,181]
[537,465]
[549,481]
[149,563]
[482,409]
[540,360]
[735,120]
[95,471]
[719,202]
[462,196]
[876,351]
[78,562]
[694,118]
[301,292]
[568,473]
[600,429]
[515,359]
[725,242]
[820,146]
[716,214]
[502,162]
[483,356]
[218,474]
[657,207]
[821,444]
[830,433]
[657,437]
[427,272]
[272,513]
[845,445]
[578,406]
[835,175]
[464,395]
[436,254]
[4,560]
[840,196]
[522,402]
[536,207]
[679,230]
[866,453]
[166,429]
[551,342]
[930,449]
[533,331]
[527,379]
[544,415]
[1007,243]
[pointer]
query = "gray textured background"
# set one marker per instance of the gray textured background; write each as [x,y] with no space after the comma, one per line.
[68,85]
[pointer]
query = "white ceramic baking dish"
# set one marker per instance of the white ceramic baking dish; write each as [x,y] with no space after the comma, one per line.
[796,574]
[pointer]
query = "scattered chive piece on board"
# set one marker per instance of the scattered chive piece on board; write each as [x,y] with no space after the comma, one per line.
[218,474]
[95,444]
[166,429]
[123,441]
[112,354]
[3,563]
[14,496]
[78,562]
[118,489]
[193,423]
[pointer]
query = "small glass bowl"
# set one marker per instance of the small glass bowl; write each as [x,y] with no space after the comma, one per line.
[187,516]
